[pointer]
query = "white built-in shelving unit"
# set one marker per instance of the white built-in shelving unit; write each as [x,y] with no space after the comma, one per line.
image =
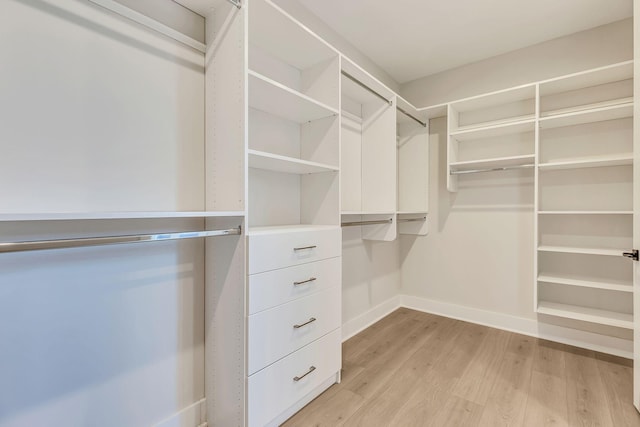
[491,132]
[584,199]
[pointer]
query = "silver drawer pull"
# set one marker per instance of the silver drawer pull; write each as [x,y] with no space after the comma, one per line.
[312,279]
[311,369]
[305,248]
[313,319]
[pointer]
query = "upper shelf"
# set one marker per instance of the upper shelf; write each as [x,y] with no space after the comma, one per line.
[599,112]
[623,159]
[501,97]
[278,163]
[69,216]
[590,78]
[274,31]
[498,162]
[272,97]
[495,128]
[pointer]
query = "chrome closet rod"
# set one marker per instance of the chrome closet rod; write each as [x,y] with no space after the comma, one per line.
[424,218]
[372,222]
[364,86]
[112,240]
[504,168]
[424,124]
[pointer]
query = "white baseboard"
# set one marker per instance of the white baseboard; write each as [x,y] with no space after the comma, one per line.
[591,341]
[192,416]
[368,318]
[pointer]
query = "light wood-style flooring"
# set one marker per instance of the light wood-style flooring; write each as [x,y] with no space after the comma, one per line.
[418,369]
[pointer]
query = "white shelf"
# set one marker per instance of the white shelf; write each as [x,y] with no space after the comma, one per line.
[585,79]
[365,213]
[272,30]
[592,315]
[585,212]
[585,251]
[272,97]
[412,212]
[494,129]
[70,216]
[590,162]
[592,113]
[501,97]
[295,228]
[571,281]
[495,162]
[278,163]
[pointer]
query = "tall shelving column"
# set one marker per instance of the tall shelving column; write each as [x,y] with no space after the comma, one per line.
[412,130]
[585,199]
[294,237]
[368,153]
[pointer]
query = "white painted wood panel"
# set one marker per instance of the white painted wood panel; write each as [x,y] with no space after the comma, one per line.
[278,250]
[273,390]
[272,334]
[272,288]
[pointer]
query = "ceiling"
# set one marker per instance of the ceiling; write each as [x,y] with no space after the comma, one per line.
[416,38]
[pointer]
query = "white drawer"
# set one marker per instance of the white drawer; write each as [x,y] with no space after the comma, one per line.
[272,288]
[278,250]
[276,332]
[274,389]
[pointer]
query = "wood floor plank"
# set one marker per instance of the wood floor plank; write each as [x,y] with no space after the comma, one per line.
[617,378]
[328,410]
[456,412]
[477,379]
[508,397]
[418,369]
[548,358]
[586,397]
[547,401]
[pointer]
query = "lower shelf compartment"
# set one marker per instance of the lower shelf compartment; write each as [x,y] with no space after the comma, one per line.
[586,314]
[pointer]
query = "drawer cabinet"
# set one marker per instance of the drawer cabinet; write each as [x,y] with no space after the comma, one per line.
[272,288]
[276,332]
[279,386]
[278,250]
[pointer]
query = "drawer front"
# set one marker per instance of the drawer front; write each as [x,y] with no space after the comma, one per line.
[282,330]
[272,251]
[274,389]
[272,288]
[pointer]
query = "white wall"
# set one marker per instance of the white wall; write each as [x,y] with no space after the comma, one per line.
[479,252]
[98,114]
[599,46]
[370,278]
[315,24]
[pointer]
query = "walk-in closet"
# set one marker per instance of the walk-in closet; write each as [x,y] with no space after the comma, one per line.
[254,213]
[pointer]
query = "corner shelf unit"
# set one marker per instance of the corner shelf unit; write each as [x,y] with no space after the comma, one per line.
[584,197]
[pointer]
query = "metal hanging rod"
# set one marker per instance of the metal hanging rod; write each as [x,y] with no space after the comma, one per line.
[364,86]
[372,222]
[236,3]
[504,168]
[112,240]
[423,124]
[424,218]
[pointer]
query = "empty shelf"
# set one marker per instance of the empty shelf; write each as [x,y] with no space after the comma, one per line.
[585,212]
[272,97]
[71,216]
[586,314]
[278,163]
[577,250]
[494,129]
[571,281]
[588,114]
[590,162]
[494,163]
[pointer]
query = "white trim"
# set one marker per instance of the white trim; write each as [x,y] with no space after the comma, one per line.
[588,340]
[193,415]
[368,318]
